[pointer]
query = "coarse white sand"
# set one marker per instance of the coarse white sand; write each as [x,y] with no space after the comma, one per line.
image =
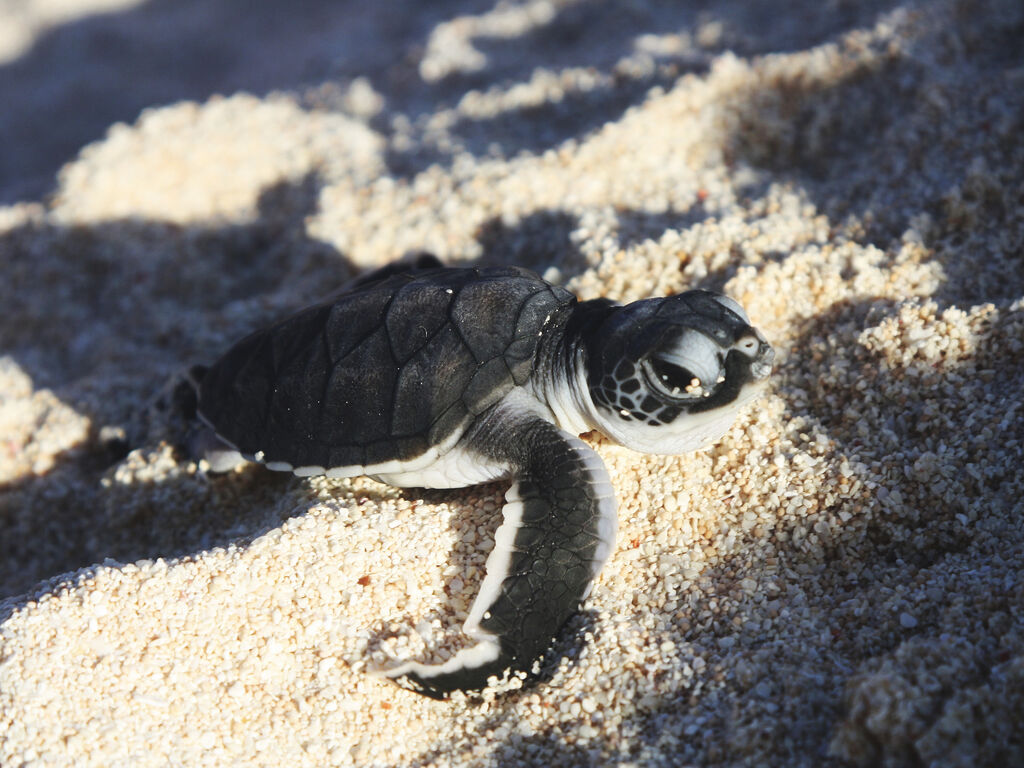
[837,582]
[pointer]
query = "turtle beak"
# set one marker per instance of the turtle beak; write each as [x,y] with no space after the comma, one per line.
[761,366]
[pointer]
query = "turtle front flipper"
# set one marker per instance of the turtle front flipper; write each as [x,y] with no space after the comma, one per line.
[558,529]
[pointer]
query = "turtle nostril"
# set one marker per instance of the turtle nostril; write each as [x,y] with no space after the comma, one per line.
[761,366]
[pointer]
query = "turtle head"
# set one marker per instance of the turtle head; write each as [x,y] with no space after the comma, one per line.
[668,375]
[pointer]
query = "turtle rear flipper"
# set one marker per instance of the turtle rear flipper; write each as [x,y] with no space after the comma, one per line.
[558,529]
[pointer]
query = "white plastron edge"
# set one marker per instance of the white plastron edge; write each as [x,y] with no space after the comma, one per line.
[414,472]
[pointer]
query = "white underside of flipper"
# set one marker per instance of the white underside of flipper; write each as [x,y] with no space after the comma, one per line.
[484,652]
[487,648]
[498,562]
[608,508]
[498,565]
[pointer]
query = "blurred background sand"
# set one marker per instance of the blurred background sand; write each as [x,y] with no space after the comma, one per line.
[837,583]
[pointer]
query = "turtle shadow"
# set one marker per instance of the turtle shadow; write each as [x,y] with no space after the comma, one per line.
[855,552]
[475,516]
[103,320]
[925,527]
[541,241]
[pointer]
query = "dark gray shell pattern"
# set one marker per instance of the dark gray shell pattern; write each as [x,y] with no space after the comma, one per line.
[385,371]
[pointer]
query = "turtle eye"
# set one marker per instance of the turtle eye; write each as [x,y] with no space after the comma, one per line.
[676,380]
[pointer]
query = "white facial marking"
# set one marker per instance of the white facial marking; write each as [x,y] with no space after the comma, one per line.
[689,431]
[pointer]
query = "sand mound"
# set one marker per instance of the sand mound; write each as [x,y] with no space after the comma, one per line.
[837,582]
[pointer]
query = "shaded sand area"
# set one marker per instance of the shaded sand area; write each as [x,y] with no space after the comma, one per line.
[837,583]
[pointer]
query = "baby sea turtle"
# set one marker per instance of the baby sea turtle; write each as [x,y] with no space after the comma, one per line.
[446,377]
